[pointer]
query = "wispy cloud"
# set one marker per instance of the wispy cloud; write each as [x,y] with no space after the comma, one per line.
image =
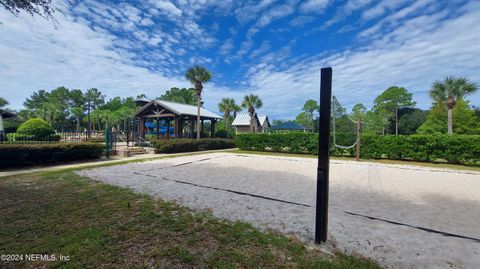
[267,47]
[314,6]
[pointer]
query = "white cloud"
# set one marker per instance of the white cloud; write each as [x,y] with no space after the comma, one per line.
[226,47]
[168,7]
[414,55]
[262,49]
[314,6]
[382,7]
[419,42]
[301,21]
[77,57]
[248,12]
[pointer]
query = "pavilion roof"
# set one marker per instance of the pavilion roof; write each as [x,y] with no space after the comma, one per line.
[6,114]
[179,109]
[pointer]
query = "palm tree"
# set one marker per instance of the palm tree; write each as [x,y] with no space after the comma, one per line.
[227,106]
[251,102]
[449,91]
[198,75]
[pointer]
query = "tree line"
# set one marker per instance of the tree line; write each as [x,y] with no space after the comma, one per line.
[394,111]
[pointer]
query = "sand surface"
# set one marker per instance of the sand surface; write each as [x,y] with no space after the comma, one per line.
[435,199]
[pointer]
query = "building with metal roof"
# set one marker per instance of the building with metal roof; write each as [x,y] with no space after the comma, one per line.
[241,123]
[264,124]
[183,117]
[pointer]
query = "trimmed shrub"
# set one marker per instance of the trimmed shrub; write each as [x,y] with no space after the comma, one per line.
[458,149]
[14,155]
[279,142]
[36,129]
[190,145]
[221,133]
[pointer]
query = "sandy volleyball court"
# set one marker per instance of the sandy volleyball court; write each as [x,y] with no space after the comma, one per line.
[400,216]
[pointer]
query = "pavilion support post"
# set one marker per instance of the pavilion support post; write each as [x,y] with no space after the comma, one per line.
[175,127]
[201,129]
[212,127]
[168,128]
[158,128]
[141,127]
[180,127]
[192,128]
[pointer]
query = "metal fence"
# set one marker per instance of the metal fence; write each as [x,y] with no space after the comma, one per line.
[61,137]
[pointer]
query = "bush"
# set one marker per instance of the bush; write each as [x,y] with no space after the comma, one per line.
[221,134]
[36,130]
[12,155]
[458,149]
[279,142]
[190,145]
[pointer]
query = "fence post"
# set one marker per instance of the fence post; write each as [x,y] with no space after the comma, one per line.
[107,142]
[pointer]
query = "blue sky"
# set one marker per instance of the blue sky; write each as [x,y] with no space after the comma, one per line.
[274,49]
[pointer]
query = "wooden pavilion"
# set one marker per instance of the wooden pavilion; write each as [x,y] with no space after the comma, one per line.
[182,117]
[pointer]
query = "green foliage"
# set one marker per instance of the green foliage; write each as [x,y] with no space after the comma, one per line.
[190,145]
[279,142]
[3,102]
[410,119]
[464,120]
[391,101]
[227,106]
[458,149]
[198,75]
[221,133]
[375,123]
[304,119]
[43,8]
[252,102]
[359,112]
[451,89]
[37,129]
[177,95]
[14,155]
[449,92]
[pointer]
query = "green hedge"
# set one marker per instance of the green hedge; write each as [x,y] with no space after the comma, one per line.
[189,145]
[459,149]
[14,155]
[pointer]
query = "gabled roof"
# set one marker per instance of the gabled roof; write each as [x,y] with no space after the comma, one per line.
[243,119]
[289,125]
[179,109]
[264,119]
[6,114]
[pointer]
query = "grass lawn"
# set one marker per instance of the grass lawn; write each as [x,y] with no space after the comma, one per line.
[103,226]
[385,161]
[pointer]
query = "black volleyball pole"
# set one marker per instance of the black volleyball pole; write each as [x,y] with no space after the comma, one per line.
[321,214]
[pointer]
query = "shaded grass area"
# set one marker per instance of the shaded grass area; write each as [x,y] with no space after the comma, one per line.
[103,226]
[385,161]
